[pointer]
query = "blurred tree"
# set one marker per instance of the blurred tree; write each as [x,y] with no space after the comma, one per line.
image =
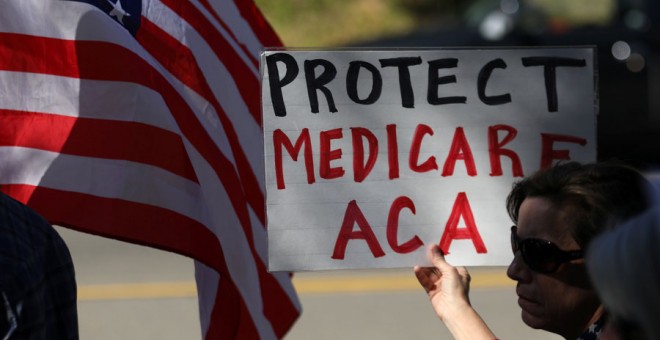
[430,10]
[326,23]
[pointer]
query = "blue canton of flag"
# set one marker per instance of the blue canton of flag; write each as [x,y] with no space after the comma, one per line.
[126,12]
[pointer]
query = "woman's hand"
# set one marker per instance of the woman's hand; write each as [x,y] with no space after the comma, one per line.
[448,288]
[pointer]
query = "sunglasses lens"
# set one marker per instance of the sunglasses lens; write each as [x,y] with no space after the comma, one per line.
[514,243]
[539,255]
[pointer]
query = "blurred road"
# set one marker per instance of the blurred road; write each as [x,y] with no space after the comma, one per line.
[133,292]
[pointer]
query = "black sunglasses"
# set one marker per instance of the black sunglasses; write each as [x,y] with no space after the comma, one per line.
[540,255]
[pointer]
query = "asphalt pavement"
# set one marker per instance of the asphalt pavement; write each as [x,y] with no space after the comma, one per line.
[127,291]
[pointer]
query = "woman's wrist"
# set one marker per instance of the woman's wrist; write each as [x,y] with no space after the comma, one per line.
[465,323]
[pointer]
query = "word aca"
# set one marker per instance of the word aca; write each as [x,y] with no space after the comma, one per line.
[354,217]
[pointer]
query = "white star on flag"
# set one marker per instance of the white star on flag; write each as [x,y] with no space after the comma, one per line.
[118,11]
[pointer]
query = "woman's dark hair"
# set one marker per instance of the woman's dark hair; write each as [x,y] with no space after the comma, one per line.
[598,194]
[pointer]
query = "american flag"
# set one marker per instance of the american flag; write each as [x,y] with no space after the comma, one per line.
[140,121]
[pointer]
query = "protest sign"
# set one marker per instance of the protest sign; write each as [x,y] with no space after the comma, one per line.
[371,156]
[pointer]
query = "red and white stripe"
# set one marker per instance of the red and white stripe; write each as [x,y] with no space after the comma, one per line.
[154,139]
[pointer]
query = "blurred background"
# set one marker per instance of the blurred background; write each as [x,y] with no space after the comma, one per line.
[132,292]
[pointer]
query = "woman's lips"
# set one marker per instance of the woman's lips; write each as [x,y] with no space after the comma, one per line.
[527,303]
[524,301]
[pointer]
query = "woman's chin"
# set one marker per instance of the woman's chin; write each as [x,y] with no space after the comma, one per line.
[532,320]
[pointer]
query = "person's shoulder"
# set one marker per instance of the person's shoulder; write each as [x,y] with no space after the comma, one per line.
[11,208]
[14,208]
[22,227]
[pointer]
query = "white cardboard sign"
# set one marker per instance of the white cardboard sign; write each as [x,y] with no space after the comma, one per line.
[371,156]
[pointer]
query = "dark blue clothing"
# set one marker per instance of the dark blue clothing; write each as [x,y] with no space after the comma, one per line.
[37,279]
[593,332]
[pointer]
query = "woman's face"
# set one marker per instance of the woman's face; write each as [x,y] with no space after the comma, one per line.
[561,302]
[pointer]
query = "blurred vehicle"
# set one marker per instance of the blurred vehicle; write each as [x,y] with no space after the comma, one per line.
[627,36]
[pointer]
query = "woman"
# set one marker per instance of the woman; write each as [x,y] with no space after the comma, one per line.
[556,213]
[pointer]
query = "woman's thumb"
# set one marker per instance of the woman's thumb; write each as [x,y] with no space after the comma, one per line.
[438,258]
